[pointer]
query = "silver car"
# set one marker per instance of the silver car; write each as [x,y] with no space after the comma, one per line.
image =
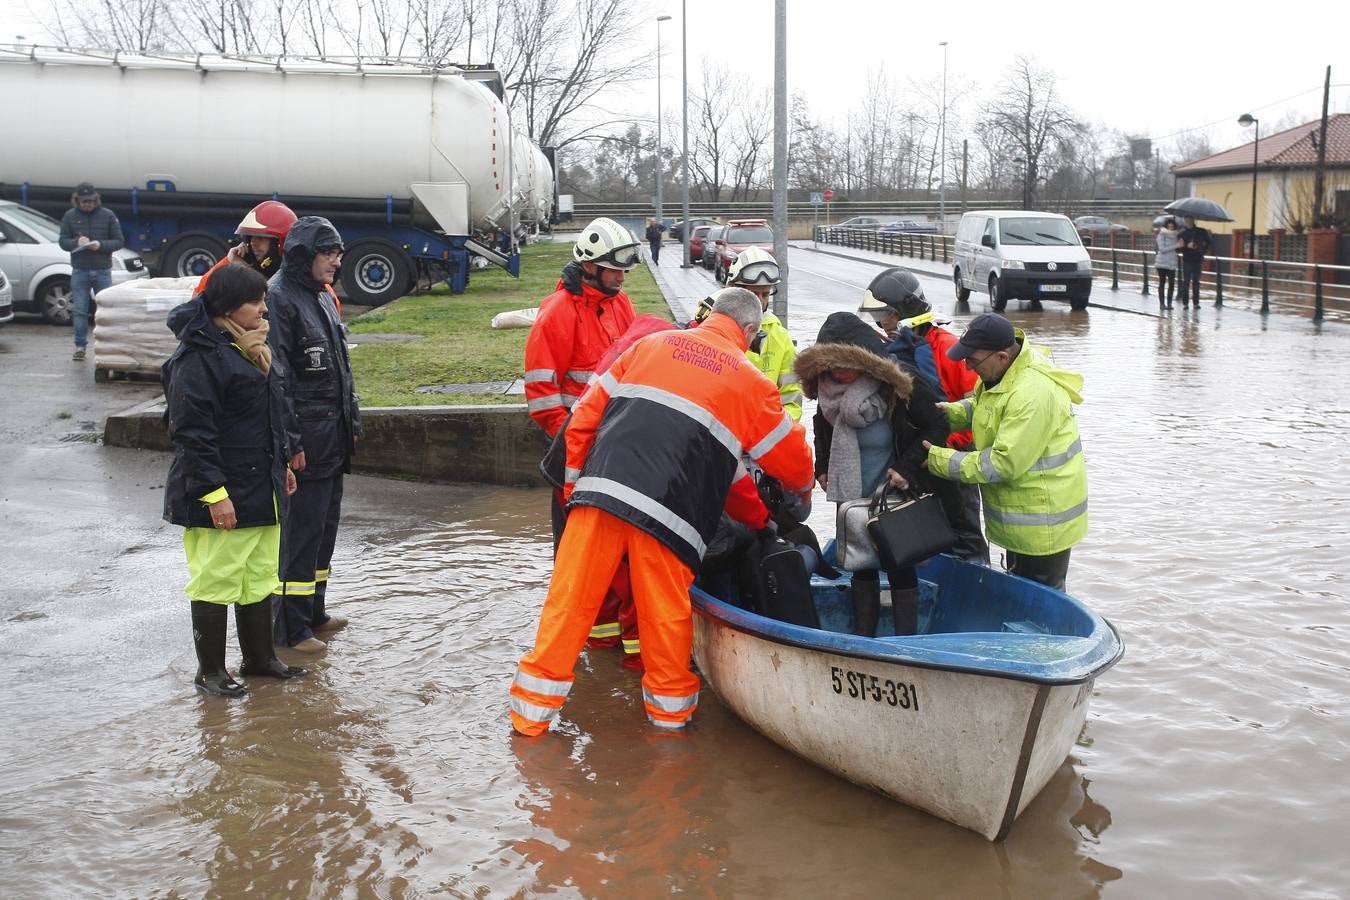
[39,269]
[6,300]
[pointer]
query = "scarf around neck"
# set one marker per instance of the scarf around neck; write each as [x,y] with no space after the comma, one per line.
[253,343]
[849,408]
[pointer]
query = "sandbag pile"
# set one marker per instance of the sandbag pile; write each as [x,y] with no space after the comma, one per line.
[130,334]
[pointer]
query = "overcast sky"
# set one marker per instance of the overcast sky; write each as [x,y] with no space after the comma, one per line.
[1137,68]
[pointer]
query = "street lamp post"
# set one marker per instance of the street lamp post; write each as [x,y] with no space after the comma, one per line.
[942,143]
[660,205]
[684,100]
[1246,121]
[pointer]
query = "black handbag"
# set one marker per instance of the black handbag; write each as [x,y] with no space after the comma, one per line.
[908,529]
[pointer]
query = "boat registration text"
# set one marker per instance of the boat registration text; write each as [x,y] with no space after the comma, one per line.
[861,686]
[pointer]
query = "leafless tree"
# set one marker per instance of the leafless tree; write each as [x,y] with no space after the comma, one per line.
[1031,116]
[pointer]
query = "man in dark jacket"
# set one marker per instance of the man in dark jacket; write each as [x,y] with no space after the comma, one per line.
[654,233]
[1193,243]
[91,233]
[323,422]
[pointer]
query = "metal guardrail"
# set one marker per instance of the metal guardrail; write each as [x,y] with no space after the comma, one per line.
[843,209]
[1293,286]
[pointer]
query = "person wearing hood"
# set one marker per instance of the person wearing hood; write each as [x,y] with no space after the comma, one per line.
[323,423]
[229,483]
[1028,456]
[872,419]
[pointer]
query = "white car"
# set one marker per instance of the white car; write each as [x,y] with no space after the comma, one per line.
[6,300]
[39,270]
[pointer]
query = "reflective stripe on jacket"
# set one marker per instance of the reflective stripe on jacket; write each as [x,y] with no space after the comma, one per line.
[775,360]
[570,334]
[1028,457]
[656,440]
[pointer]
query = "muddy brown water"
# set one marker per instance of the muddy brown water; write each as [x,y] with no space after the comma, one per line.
[1212,764]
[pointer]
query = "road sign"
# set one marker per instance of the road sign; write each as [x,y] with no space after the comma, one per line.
[817,198]
[828,195]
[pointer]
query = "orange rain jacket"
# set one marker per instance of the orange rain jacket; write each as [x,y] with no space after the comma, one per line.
[657,438]
[570,334]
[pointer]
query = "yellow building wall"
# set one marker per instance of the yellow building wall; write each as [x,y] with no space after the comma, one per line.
[1281,198]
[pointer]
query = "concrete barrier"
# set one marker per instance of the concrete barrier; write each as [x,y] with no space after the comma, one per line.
[497,444]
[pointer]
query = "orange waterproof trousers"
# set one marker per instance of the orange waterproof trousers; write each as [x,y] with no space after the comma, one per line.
[593,545]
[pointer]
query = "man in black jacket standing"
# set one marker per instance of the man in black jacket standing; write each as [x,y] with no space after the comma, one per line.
[323,422]
[91,233]
[1193,243]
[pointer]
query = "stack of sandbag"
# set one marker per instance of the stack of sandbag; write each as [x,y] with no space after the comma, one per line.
[130,334]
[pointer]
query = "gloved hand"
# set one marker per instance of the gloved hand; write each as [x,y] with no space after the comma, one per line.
[571,277]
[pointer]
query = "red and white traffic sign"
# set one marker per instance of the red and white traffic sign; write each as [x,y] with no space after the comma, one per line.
[829,195]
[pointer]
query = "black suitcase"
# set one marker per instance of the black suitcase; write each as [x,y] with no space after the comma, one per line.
[775,583]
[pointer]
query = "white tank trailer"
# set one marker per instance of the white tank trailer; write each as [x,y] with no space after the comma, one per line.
[414,166]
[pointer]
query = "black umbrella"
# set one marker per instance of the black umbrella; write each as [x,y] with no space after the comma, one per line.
[1198,208]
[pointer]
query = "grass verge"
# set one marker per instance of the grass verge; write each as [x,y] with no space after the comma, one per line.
[459,345]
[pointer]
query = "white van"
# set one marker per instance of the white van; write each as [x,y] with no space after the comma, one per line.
[1018,254]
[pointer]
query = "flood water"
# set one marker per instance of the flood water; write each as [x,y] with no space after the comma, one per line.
[1212,764]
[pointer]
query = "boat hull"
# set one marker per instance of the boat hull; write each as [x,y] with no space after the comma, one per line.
[970,749]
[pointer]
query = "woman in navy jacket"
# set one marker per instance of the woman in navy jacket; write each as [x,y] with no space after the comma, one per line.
[228,484]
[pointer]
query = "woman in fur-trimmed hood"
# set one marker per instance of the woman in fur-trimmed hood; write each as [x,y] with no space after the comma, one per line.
[871,420]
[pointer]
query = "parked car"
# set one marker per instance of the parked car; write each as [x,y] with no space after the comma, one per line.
[1020,254]
[1098,225]
[739,235]
[6,300]
[39,269]
[677,228]
[908,226]
[709,245]
[697,240]
[868,223]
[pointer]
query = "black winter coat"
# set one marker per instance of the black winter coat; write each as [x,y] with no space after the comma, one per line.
[225,420]
[309,348]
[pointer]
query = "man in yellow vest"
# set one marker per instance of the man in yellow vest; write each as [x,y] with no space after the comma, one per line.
[1028,458]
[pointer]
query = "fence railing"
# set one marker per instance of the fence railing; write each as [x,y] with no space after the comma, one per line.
[843,209]
[1292,286]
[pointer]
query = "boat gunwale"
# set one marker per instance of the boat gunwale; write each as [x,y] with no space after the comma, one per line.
[888,652]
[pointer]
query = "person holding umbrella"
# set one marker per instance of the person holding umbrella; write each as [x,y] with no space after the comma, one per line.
[1193,243]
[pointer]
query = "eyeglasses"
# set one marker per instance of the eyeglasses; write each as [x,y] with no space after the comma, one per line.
[976,363]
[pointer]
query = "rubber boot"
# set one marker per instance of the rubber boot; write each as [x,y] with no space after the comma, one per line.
[866,607]
[905,610]
[253,621]
[208,637]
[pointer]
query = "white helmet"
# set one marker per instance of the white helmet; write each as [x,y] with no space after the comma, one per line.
[754,265]
[607,243]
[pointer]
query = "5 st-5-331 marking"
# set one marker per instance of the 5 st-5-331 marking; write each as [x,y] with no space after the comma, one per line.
[862,686]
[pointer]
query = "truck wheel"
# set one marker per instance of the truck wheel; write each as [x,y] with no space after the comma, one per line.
[191,256]
[962,292]
[375,272]
[55,301]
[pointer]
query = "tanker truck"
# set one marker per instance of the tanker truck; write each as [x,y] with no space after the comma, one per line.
[414,165]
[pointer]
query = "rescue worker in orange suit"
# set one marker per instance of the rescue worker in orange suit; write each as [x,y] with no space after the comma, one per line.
[916,338]
[576,324]
[652,450]
[264,232]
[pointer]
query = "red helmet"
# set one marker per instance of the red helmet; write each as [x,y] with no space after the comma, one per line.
[271,218]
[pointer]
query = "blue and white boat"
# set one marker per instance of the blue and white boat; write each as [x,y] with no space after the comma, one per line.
[967,720]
